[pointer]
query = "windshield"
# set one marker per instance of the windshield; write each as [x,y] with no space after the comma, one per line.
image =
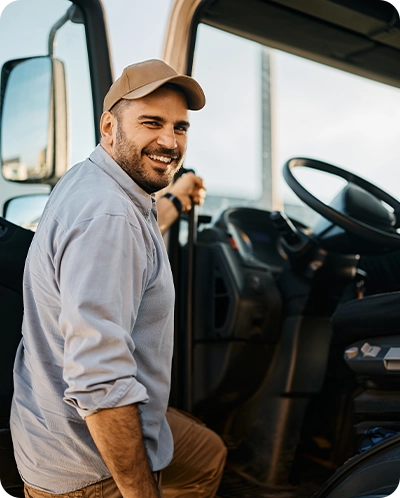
[265,106]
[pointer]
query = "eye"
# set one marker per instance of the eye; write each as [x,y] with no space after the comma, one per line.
[181,129]
[153,124]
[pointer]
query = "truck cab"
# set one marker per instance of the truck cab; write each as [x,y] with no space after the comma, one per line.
[298,147]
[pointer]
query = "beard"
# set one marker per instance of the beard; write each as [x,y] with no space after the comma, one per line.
[129,158]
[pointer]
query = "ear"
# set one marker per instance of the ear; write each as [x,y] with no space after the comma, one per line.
[108,125]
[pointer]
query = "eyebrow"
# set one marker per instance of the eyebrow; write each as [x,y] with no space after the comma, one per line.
[162,120]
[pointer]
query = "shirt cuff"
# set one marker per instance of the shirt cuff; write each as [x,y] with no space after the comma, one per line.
[122,392]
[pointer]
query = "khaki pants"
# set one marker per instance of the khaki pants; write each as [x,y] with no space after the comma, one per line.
[195,471]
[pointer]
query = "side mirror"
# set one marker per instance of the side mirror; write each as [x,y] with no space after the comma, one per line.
[25,210]
[34,119]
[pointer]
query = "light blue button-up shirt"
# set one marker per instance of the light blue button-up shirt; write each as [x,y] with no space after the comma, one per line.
[97,329]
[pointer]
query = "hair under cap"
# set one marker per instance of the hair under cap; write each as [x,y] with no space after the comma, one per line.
[138,80]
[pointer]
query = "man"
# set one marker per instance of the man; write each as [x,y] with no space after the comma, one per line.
[92,373]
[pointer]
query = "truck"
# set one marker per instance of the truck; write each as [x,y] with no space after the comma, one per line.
[286,321]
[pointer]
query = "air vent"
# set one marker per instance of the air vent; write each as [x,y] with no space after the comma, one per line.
[221,300]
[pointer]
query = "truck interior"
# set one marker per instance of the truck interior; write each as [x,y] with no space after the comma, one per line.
[286,329]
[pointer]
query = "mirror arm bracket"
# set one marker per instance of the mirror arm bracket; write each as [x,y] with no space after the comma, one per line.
[74,15]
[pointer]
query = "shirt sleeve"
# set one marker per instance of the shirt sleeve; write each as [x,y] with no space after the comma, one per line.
[101,267]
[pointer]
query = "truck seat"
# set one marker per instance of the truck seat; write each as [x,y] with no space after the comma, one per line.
[14,245]
[371,316]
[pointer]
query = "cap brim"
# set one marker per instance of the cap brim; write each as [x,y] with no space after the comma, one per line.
[194,94]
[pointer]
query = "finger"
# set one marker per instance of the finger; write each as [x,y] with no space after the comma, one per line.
[199,182]
[198,200]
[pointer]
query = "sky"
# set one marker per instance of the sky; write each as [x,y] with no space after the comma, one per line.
[146,20]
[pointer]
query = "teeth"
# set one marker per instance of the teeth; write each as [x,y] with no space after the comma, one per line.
[163,159]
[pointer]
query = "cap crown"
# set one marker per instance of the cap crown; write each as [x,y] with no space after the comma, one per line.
[138,80]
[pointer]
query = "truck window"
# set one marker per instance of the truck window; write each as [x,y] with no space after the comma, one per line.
[225,141]
[24,32]
[265,106]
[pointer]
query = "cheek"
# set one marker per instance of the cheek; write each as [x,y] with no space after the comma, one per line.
[149,140]
[182,144]
[141,137]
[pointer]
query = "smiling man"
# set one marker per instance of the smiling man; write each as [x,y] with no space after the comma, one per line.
[92,373]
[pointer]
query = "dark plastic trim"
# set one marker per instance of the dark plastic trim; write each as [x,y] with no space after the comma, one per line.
[101,74]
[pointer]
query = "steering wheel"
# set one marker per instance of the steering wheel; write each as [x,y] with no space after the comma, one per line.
[350,224]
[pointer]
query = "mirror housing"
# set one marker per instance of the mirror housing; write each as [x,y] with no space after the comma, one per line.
[34,120]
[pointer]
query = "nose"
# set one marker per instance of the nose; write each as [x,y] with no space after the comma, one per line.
[167,138]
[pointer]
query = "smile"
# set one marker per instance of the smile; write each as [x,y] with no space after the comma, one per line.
[163,159]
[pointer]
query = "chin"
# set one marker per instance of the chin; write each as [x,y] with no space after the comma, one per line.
[152,187]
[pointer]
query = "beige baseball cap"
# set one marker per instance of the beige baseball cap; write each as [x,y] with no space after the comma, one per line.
[138,80]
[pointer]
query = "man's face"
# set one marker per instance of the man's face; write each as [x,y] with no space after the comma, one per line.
[150,138]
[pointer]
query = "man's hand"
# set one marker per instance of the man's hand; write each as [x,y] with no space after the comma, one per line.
[117,434]
[189,189]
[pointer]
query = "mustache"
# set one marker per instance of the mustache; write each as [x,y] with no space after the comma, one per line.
[163,151]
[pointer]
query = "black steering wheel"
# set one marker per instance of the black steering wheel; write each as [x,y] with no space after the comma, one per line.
[350,224]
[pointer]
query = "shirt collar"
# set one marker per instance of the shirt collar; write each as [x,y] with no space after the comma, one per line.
[144,201]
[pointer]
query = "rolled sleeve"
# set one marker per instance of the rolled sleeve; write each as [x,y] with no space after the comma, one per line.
[101,271]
